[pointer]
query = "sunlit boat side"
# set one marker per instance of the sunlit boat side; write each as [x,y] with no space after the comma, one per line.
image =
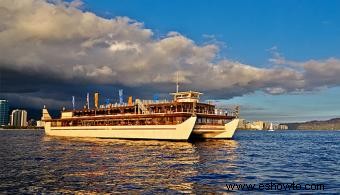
[183,118]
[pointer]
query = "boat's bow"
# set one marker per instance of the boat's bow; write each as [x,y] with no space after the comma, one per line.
[216,131]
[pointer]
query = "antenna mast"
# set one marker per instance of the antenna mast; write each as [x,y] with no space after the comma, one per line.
[177,83]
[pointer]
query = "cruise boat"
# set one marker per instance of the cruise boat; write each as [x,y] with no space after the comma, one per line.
[182,118]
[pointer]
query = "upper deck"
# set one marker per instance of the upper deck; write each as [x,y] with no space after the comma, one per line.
[183,104]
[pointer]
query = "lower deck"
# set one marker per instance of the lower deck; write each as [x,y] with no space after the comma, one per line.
[182,131]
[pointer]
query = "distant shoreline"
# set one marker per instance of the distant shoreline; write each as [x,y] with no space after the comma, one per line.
[291,130]
[20,128]
[331,124]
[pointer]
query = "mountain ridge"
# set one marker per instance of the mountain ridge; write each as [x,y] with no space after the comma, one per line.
[331,124]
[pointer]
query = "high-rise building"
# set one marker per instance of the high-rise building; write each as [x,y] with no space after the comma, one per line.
[19,118]
[4,112]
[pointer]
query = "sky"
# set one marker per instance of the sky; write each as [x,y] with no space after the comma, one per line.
[278,60]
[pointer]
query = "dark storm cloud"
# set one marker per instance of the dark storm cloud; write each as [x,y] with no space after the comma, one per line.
[51,51]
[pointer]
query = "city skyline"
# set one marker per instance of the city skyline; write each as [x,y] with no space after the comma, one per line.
[279,60]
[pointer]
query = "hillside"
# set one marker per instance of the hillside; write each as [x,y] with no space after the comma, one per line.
[332,124]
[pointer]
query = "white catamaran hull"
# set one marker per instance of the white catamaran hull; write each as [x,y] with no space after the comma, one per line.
[160,132]
[212,132]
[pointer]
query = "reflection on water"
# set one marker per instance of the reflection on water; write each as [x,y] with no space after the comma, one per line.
[34,163]
[133,165]
[216,165]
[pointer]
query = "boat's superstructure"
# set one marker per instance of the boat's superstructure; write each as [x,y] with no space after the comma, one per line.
[179,119]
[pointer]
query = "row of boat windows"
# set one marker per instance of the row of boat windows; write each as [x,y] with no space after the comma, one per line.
[211,121]
[146,121]
[151,109]
[122,122]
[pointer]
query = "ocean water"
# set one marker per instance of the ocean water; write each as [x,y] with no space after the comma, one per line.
[31,162]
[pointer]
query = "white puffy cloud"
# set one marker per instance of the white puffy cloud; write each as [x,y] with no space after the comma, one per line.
[60,41]
[322,73]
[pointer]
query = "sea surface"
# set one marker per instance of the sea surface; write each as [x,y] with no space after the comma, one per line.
[31,162]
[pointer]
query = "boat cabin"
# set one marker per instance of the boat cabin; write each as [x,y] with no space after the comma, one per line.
[186,96]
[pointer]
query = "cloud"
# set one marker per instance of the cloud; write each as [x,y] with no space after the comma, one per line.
[279,59]
[35,101]
[321,73]
[315,74]
[57,45]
